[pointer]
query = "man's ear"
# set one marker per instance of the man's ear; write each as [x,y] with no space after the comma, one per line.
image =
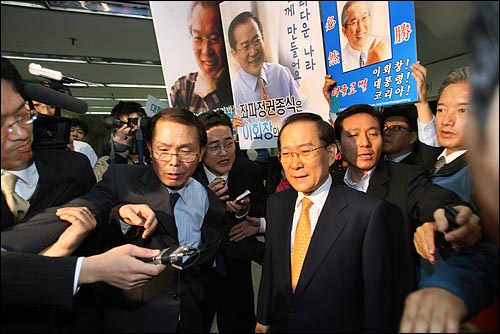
[202,154]
[413,137]
[332,154]
[339,146]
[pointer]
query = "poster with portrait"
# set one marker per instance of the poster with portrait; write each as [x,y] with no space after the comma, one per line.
[193,56]
[276,64]
[369,47]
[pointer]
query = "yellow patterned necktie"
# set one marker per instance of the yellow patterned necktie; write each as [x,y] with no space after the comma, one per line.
[17,205]
[301,241]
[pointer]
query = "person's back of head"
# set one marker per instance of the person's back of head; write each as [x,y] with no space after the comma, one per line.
[482,36]
[354,110]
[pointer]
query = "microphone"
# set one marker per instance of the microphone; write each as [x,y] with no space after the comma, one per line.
[172,255]
[52,97]
[40,71]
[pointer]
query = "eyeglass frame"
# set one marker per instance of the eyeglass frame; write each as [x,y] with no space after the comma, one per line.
[172,154]
[211,148]
[394,128]
[256,43]
[357,22]
[300,154]
[33,115]
[212,41]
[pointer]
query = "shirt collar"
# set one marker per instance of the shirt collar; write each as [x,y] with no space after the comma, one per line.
[27,175]
[211,176]
[451,157]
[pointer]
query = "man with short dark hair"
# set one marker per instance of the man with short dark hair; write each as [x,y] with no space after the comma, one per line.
[231,294]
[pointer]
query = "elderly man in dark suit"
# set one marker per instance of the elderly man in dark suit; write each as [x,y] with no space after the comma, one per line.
[347,279]
[172,301]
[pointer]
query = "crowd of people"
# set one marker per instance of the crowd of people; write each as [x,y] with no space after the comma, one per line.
[154,237]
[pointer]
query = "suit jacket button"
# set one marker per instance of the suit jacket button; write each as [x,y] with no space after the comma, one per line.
[177,297]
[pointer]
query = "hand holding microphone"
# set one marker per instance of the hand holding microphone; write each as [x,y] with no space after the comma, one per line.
[172,255]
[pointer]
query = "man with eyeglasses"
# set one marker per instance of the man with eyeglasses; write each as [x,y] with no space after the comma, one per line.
[210,87]
[231,293]
[45,177]
[400,134]
[141,195]
[362,48]
[256,76]
[347,279]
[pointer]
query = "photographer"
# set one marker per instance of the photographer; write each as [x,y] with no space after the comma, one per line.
[125,129]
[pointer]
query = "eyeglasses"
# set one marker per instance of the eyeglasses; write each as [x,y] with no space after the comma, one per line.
[357,22]
[304,153]
[181,156]
[216,147]
[256,43]
[395,128]
[26,118]
[212,40]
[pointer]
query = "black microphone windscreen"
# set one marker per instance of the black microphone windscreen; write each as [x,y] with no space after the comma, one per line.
[52,97]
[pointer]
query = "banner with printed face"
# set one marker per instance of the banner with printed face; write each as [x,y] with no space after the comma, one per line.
[369,47]
[276,64]
[193,55]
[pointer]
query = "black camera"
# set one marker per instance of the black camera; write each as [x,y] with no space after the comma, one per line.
[51,132]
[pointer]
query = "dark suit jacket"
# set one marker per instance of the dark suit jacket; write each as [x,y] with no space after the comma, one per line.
[346,284]
[32,281]
[157,305]
[64,175]
[245,174]
[29,279]
[231,294]
[410,188]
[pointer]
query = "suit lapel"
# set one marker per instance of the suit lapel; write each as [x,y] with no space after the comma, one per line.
[328,230]
[379,180]
[159,200]
[45,194]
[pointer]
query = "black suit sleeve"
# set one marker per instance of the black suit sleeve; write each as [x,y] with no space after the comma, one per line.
[29,279]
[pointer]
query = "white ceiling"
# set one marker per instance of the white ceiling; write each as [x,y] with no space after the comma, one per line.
[439,37]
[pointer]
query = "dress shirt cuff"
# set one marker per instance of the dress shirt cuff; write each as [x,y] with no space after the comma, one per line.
[262,227]
[427,133]
[78,269]
[124,227]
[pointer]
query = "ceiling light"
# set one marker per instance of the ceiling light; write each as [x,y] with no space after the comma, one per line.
[135,86]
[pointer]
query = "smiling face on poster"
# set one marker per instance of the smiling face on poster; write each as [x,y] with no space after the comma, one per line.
[369,46]
[276,56]
[365,33]
[193,55]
